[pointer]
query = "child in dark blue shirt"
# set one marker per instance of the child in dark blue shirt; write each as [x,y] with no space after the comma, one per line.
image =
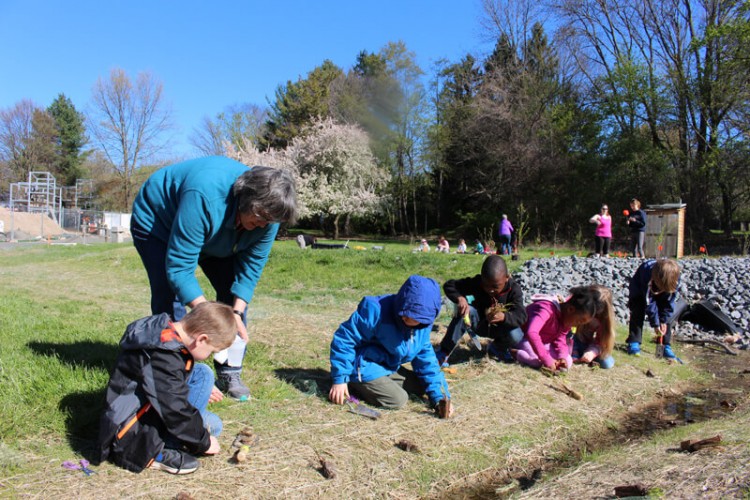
[652,294]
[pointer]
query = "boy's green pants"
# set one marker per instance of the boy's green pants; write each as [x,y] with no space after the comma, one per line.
[389,392]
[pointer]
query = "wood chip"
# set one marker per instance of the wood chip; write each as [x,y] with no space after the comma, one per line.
[327,469]
[407,445]
[631,490]
[692,445]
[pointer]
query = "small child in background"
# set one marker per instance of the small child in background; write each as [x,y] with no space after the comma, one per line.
[155,413]
[549,321]
[478,247]
[461,246]
[443,246]
[594,341]
[492,288]
[423,246]
[652,293]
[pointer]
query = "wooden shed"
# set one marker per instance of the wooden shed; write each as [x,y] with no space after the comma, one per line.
[665,230]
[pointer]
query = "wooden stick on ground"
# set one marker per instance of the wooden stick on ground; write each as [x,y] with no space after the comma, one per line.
[692,445]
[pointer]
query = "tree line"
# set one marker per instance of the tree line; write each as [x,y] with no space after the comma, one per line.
[580,102]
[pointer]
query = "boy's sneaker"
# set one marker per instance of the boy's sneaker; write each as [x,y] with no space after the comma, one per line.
[499,353]
[230,383]
[668,352]
[441,359]
[634,348]
[175,462]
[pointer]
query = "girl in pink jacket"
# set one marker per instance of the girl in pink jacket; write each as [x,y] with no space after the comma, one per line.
[549,321]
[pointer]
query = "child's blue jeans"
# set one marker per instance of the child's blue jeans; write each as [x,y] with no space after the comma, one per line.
[579,348]
[505,336]
[201,383]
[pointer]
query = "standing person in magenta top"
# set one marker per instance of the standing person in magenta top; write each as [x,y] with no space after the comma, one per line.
[504,231]
[637,224]
[218,214]
[603,233]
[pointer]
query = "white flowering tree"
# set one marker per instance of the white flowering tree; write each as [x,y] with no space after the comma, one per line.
[335,170]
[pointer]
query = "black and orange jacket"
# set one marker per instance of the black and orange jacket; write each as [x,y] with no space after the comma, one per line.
[147,397]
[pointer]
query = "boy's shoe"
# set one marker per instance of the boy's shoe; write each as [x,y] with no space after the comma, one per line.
[634,348]
[668,352]
[175,462]
[230,383]
[500,354]
[441,359]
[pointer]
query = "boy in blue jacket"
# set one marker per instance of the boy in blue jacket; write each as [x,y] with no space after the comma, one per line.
[652,293]
[385,332]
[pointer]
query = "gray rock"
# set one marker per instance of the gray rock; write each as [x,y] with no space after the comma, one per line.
[725,280]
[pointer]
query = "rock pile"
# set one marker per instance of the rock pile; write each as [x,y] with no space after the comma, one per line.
[725,280]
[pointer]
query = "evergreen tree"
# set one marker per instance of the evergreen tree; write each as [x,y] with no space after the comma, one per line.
[298,103]
[72,138]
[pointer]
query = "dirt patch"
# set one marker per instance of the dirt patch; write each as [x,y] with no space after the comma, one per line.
[28,225]
[725,395]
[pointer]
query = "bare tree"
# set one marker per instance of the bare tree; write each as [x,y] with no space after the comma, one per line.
[236,125]
[671,67]
[130,123]
[16,129]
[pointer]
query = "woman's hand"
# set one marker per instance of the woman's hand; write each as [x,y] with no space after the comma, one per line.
[339,393]
[241,328]
[240,305]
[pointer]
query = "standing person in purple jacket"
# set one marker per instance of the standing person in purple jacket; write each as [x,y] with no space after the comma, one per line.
[504,231]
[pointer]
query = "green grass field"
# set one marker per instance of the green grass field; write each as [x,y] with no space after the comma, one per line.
[64,309]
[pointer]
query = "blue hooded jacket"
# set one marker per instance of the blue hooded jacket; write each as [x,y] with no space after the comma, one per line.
[660,307]
[374,342]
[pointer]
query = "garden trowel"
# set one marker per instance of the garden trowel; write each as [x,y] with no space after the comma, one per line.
[473,338]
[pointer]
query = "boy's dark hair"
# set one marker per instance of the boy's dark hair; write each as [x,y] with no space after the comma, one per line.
[665,274]
[494,265]
[214,319]
[584,299]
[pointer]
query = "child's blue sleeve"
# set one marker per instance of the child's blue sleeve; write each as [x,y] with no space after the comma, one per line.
[426,367]
[359,328]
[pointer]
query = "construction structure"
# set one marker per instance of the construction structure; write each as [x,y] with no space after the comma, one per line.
[67,208]
[37,195]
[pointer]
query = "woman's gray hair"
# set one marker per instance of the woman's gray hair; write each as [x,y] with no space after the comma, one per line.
[266,191]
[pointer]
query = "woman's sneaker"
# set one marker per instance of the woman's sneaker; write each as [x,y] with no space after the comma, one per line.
[175,462]
[229,382]
[634,348]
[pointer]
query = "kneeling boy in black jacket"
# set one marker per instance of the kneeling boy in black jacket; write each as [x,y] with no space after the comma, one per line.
[497,310]
[155,413]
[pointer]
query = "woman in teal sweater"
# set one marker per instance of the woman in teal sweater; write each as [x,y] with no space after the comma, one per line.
[218,214]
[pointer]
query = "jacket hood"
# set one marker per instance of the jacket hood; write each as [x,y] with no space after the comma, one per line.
[419,299]
[146,333]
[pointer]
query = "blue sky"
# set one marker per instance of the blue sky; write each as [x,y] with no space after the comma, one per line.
[211,54]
